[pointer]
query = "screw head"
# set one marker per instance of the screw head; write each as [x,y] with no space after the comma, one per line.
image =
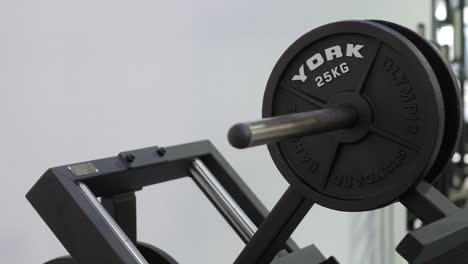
[130,157]
[161,151]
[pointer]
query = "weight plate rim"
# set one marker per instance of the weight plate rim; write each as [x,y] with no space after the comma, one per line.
[276,153]
[142,246]
[452,107]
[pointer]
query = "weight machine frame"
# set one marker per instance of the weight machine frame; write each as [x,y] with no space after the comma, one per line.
[105,232]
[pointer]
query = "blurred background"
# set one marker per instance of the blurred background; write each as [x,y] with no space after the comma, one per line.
[82,80]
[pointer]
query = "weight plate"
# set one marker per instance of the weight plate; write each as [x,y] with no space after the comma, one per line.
[154,255]
[62,260]
[451,96]
[151,254]
[391,85]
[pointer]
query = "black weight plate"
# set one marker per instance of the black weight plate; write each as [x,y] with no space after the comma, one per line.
[155,255]
[389,82]
[151,254]
[450,93]
[62,260]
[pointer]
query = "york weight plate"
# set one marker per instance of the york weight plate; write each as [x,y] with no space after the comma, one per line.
[389,82]
[451,96]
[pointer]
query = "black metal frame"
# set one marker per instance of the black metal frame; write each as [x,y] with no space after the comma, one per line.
[65,206]
[444,239]
[61,203]
[87,236]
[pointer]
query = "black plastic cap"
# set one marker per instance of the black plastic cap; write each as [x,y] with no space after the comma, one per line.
[239,136]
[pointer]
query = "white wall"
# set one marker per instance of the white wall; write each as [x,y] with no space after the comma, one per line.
[87,79]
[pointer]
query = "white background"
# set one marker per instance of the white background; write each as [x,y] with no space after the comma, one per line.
[87,79]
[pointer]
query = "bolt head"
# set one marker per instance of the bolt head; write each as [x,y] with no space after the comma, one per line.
[130,157]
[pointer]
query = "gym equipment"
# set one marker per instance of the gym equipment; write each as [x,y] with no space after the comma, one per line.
[105,232]
[359,115]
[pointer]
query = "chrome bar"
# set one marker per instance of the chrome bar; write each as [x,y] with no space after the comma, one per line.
[235,215]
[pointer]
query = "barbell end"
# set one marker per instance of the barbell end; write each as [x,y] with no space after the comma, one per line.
[275,129]
[240,136]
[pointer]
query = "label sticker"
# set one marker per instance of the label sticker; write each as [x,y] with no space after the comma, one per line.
[83,169]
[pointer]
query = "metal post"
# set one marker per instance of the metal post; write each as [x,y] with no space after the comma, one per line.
[113,225]
[122,208]
[276,229]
